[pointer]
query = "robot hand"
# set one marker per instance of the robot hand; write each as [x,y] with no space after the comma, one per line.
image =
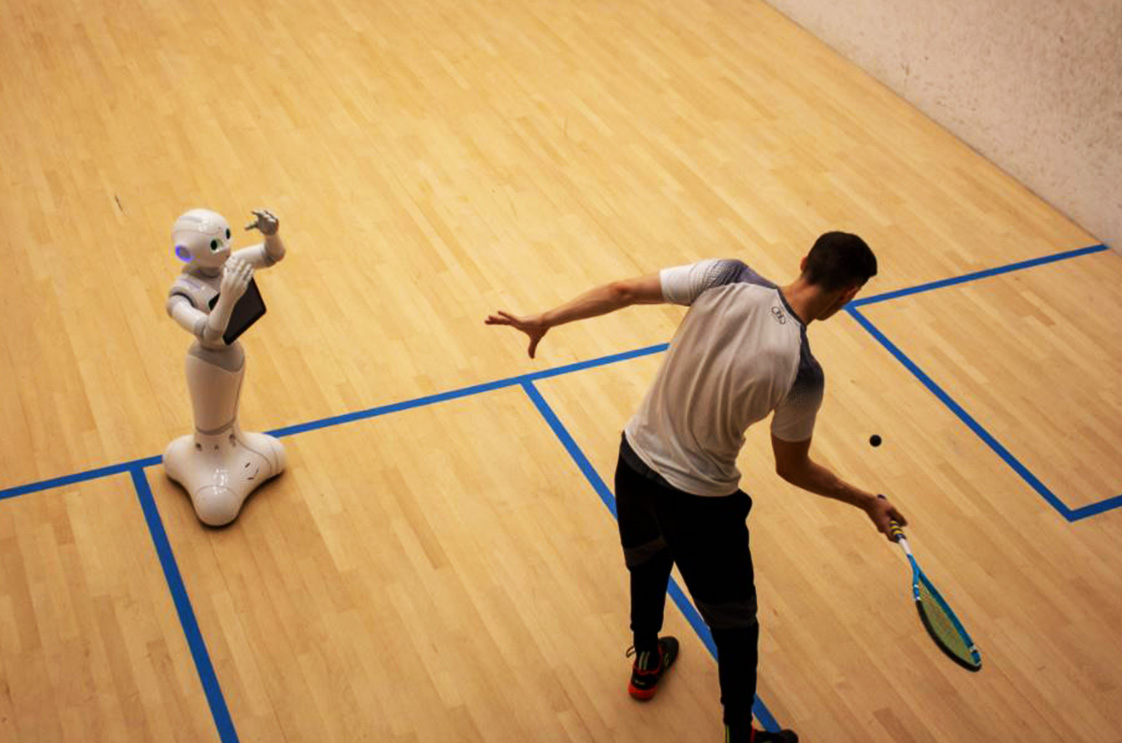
[267,222]
[235,278]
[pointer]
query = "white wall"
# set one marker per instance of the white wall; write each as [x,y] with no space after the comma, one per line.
[1034,85]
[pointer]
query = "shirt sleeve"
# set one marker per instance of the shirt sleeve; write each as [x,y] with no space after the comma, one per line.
[684,284]
[794,417]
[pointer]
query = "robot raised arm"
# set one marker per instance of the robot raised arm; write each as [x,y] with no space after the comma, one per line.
[269,252]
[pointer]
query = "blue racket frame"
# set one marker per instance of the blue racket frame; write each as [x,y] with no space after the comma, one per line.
[918,576]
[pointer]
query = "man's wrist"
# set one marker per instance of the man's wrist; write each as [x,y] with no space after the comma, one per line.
[864,501]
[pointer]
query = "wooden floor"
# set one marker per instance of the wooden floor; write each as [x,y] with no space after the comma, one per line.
[447,572]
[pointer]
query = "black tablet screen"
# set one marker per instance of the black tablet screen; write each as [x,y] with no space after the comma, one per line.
[247,311]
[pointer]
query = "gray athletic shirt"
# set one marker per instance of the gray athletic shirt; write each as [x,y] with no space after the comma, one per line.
[739,354]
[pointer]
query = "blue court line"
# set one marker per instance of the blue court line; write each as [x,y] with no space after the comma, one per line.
[759,709]
[350,417]
[977,275]
[1095,508]
[1071,514]
[468,391]
[59,482]
[195,642]
[977,428]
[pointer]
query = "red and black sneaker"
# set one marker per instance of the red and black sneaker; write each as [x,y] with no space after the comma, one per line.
[649,667]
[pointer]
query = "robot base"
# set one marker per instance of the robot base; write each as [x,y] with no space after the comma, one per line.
[219,472]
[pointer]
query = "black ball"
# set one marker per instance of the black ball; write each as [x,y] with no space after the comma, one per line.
[874,440]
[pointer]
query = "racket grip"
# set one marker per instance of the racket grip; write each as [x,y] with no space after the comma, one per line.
[894,529]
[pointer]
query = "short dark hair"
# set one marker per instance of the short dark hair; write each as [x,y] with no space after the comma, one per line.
[839,260]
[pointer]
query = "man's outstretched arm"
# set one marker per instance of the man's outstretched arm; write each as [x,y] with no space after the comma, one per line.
[793,464]
[595,302]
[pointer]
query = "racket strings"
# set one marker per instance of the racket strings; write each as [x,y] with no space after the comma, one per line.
[941,625]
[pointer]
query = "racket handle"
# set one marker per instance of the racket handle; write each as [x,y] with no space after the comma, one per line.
[894,529]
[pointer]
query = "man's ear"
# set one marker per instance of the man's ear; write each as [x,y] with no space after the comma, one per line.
[851,292]
[802,264]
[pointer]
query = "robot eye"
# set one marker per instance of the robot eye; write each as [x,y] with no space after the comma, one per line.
[214,245]
[227,233]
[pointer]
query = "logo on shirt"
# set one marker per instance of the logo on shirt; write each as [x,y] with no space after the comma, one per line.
[779,315]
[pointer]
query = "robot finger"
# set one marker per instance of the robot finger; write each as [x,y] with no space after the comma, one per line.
[264,217]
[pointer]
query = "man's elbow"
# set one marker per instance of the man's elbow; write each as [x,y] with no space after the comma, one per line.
[792,472]
[622,293]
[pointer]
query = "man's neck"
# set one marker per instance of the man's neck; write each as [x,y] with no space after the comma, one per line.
[805,300]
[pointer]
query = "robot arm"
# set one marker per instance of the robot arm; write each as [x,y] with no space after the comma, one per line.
[210,327]
[183,312]
[270,252]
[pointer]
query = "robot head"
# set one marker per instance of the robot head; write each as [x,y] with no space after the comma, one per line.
[202,237]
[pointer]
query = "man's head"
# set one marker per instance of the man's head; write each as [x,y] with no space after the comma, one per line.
[838,265]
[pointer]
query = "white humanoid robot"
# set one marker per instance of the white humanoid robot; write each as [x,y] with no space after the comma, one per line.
[219,465]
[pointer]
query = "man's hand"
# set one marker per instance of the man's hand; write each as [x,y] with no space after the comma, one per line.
[593,303]
[531,325]
[883,513]
[266,223]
